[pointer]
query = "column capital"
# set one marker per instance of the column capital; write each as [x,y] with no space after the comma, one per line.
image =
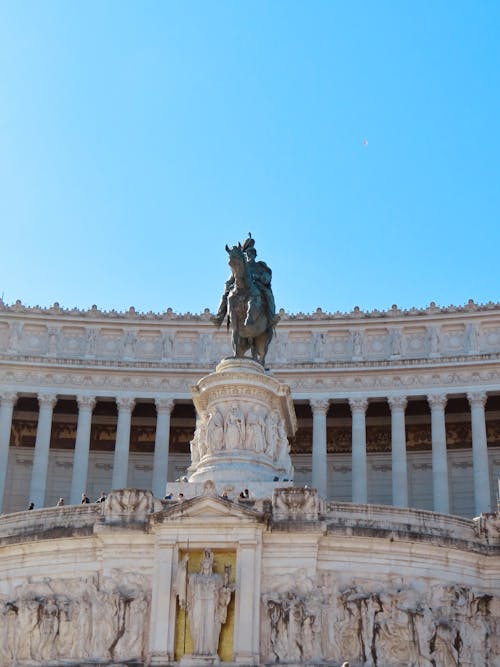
[125,403]
[86,402]
[319,405]
[164,405]
[358,404]
[437,401]
[477,397]
[397,402]
[8,397]
[47,400]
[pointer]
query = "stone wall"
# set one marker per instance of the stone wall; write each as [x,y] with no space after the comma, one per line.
[314,581]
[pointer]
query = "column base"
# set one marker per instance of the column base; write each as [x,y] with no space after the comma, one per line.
[160,660]
[193,660]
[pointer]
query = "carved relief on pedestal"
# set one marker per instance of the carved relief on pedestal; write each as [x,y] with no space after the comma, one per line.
[254,429]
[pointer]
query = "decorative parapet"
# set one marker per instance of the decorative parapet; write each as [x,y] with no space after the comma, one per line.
[130,505]
[431,335]
[296,504]
[319,314]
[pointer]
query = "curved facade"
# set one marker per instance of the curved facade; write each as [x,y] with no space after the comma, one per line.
[394,407]
[309,582]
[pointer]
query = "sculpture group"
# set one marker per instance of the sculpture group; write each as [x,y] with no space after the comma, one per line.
[85,619]
[317,619]
[254,430]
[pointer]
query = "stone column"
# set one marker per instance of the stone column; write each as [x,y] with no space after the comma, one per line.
[247,603]
[359,474]
[319,464]
[398,447]
[82,445]
[120,463]
[162,630]
[482,494]
[160,461]
[7,403]
[437,403]
[42,446]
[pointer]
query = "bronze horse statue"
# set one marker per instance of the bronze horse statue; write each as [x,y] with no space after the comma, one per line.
[247,312]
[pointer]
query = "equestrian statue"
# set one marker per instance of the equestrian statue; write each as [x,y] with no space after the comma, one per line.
[248,302]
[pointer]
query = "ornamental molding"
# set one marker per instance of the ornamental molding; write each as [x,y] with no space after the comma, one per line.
[397,402]
[477,398]
[323,340]
[132,314]
[106,382]
[319,405]
[164,405]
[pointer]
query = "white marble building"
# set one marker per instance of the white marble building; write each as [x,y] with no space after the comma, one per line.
[397,407]
[398,418]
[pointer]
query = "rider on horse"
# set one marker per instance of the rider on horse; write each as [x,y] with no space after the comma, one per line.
[261,278]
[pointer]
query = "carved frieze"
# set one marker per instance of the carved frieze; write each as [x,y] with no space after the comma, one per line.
[86,619]
[324,618]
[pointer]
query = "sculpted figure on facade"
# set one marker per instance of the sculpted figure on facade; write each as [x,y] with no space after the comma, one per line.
[199,443]
[248,302]
[205,347]
[53,341]
[434,341]
[472,340]
[15,335]
[396,343]
[281,347]
[234,428]
[319,346]
[357,345]
[205,595]
[91,343]
[292,622]
[254,432]
[215,432]
[62,620]
[167,346]
[272,433]
[129,345]
[282,451]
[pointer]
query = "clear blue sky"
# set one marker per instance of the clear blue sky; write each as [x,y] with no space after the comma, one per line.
[138,138]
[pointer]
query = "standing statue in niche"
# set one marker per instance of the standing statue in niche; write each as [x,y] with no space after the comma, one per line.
[248,302]
[234,428]
[206,596]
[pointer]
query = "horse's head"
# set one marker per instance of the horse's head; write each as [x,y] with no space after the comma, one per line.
[236,259]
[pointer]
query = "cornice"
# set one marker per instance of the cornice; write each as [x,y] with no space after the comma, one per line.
[94,313]
[383,382]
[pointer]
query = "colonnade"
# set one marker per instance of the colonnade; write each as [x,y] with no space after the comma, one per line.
[397,404]
[320,408]
[86,405]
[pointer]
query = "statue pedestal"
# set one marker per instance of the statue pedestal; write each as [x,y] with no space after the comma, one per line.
[244,419]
